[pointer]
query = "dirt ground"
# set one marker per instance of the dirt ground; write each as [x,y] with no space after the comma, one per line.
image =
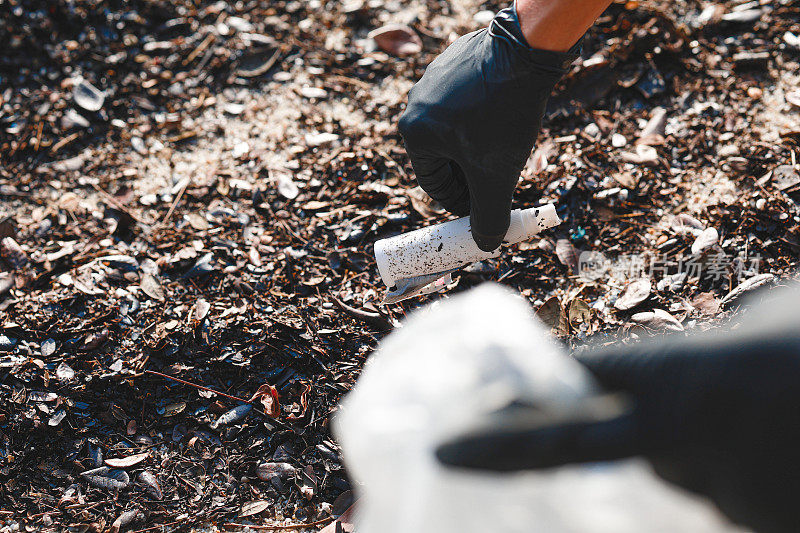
[213,218]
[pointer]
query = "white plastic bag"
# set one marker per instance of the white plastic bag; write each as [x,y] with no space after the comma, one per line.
[452,363]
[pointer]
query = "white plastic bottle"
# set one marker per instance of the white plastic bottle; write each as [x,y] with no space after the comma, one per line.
[410,261]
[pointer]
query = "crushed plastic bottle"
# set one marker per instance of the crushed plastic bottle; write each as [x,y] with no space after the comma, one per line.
[412,263]
[458,362]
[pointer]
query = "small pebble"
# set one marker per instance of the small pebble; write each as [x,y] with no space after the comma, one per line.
[755,92]
[483,18]
[592,130]
[313,92]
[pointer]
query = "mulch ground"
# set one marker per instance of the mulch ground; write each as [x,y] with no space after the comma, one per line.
[192,189]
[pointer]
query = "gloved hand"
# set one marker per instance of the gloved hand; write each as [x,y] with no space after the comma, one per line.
[716,414]
[472,119]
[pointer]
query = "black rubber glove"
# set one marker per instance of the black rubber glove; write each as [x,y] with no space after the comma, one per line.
[716,414]
[472,119]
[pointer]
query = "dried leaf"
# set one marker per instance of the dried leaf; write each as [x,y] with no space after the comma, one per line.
[707,239]
[8,228]
[125,519]
[658,319]
[424,204]
[579,312]
[635,293]
[313,92]
[87,286]
[626,179]
[271,471]
[57,418]
[72,494]
[397,40]
[539,159]
[307,482]
[94,340]
[319,138]
[655,130]
[64,372]
[552,314]
[303,402]
[315,205]
[344,523]
[151,287]
[200,310]
[234,415]
[105,478]
[254,507]
[684,224]
[567,254]
[644,155]
[13,254]
[257,60]
[6,283]
[706,303]
[268,396]
[746,286]
[40,396]
[48,348]
[150,483]
[172,409]
[126,462]
[785,177]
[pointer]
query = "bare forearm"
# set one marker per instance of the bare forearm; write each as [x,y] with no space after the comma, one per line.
[557,24]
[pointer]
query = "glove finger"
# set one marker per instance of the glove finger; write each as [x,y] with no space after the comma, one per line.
[443,181]
[599,429]
[425,136]
[490,204]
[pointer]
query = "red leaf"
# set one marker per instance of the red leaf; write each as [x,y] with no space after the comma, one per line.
[268,396]
[303,402]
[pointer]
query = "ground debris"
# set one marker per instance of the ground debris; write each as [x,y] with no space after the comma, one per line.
[190,193]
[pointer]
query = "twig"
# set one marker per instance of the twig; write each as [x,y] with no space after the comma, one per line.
[175,202]
[352,81]
[38,136]
[84,506]
[200,47]
[63,142]
[274,420]
[278,528]
[117,204]
[356,276]
[291,232]
[177,199]
[195,385]
[389,158]
[373,319]
[151,528]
